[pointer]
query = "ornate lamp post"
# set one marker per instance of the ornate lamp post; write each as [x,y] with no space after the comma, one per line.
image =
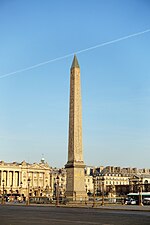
[28,200]
[3,192]
[39,191]
[86,195]
[21,187]
[103,179]
[47,190]
[11,192]
[140,193]
[75,195]
[57,191]
[94,184]
[21,191]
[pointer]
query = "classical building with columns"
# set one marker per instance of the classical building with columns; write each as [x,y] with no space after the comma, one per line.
[16,177]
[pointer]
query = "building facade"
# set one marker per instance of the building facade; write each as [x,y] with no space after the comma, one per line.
[17,178]
[120,181]
[42,180]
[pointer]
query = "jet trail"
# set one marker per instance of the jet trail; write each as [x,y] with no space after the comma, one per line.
[77,52]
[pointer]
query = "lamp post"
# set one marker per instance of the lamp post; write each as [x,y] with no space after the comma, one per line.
[21,191]
[86,195]
[140,193]
[28,200]
[57,191]
[21,187]
[47,191]
[94,182]
[11,192]
[103,191]
[3,192]
[75,195]
[39,191]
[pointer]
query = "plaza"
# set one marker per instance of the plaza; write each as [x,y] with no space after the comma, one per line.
[34,215]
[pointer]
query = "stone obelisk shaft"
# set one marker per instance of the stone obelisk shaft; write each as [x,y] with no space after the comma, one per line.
[75,189]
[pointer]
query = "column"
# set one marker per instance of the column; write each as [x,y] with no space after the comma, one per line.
[38,179]
[17,178]
[2,177]
[20,178]
[5,177]
[33,184]
[43,180]
[13,175]
[8,183]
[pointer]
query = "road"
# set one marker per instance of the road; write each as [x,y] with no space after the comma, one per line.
[39,215]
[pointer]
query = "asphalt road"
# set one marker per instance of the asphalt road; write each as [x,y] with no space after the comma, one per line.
[32,215]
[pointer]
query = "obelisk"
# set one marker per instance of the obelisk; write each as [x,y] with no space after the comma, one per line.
[75,184]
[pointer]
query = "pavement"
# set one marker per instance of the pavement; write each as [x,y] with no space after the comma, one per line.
[41,215]
[143,208]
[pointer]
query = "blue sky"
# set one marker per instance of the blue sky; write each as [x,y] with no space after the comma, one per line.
[34,104]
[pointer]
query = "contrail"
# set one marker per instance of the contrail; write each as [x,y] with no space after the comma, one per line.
[77,52]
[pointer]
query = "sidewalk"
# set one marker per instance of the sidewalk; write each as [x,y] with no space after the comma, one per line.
[126,207]
[145,208]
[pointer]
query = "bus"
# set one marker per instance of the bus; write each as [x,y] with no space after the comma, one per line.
[136,196]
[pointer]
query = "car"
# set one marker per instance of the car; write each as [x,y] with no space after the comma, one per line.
[133,202]
[146,201]
[130,201]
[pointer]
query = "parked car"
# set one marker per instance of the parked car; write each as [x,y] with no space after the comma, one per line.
[146,201]
[130,201]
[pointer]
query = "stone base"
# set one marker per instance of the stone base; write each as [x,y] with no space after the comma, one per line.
[75,185]
[76,196]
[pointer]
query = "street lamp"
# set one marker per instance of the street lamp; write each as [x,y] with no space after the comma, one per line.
[47,190]
[3,192]
[75,195]
[140,193]
[28,200]
[21,191]
[86,195]
[57,191]
[102,190]
[20,186]
[94,182]
[39,191]
[11,192]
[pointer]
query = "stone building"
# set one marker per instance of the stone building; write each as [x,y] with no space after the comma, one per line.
[39,178]
[121,180]
[89,179]
[16,177]
[58,176]
[43,179]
